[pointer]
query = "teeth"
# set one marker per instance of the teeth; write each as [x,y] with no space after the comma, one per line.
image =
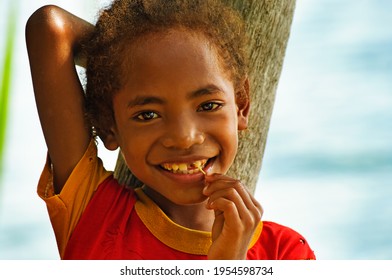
[182,167]
[185,168]
[174,167]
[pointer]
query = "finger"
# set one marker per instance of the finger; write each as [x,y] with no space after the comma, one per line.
[218,183]
[248,218]
[228,209]
[258,206]
[232,195]
[217,225]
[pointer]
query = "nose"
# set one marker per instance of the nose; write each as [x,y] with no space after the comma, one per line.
[182,133]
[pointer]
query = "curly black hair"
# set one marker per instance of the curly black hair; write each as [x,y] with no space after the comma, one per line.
[126,21]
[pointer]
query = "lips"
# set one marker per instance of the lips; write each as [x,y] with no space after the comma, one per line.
[185,167]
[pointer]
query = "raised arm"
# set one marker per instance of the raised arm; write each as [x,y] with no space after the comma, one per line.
[53,38]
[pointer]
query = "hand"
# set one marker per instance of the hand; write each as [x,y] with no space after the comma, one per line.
[237,214]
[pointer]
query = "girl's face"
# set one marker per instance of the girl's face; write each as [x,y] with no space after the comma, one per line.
[176,111]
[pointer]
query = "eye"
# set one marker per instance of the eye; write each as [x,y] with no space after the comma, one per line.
[209,106]
[146,116]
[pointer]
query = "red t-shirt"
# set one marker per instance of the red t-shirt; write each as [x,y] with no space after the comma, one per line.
[120,223]
[95,218]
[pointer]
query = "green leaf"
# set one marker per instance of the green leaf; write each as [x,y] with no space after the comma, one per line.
[6,80]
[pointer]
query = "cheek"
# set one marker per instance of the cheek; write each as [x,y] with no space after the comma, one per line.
[135,160]
[136,146]
[231,147]
[131,146]
[226,134]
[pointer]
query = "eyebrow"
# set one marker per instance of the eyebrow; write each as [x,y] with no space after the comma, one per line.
[146,100]
[207,90]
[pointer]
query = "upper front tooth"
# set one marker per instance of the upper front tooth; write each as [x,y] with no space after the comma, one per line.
[183,167]
[197,164]
[175,167]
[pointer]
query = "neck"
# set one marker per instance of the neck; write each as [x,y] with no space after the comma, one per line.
[193,216]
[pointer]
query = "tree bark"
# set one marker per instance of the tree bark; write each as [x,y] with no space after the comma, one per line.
[268,26]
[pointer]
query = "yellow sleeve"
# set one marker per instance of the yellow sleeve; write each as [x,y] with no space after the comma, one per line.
[66,208]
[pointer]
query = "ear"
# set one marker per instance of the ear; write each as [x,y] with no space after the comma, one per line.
[243,104]
[110,140]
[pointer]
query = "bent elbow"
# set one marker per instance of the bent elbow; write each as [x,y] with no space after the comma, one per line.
[45,23]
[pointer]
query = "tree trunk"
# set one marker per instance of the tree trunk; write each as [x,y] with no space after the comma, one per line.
[268,25]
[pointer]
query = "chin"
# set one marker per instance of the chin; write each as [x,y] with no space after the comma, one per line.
[189,199]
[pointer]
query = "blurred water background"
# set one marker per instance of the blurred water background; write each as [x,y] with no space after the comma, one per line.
[327,170]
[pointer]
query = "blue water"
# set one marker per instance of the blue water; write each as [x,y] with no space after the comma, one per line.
[327,170]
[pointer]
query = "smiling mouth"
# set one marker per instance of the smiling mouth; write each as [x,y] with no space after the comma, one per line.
[185,168]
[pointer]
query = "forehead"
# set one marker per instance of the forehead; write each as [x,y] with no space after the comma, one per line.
[171,54]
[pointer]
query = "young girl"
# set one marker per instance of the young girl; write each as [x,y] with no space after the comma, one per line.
[167,83]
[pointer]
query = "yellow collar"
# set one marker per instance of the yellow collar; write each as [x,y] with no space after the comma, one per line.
[173,235]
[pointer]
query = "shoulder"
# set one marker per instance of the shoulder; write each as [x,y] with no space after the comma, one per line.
[110,192]
[104,222]
[279,231]
[281,242]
